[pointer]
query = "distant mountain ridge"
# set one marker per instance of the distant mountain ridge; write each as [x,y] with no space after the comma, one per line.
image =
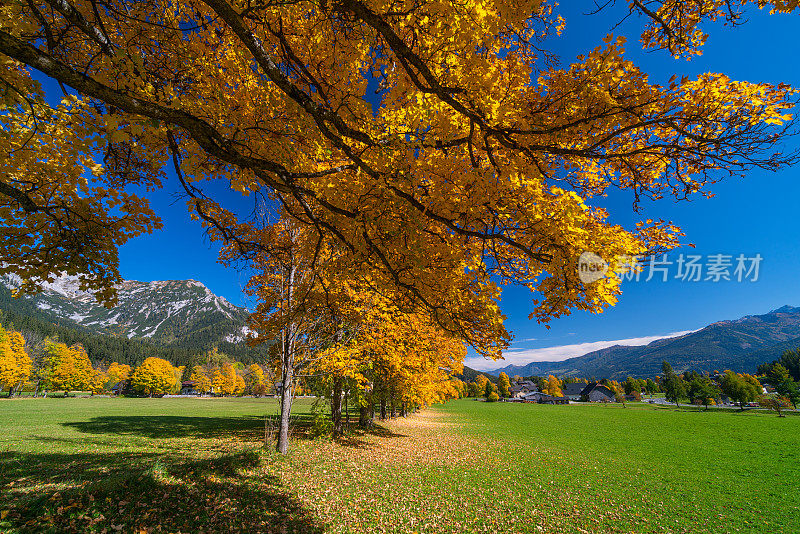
[738,344]
[171,312]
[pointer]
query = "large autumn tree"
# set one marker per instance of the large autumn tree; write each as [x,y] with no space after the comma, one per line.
[155,376]
[65,368]
[15,364]
[439,143]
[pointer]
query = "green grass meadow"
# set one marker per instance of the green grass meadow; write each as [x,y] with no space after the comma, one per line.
[649,469]
[199,465]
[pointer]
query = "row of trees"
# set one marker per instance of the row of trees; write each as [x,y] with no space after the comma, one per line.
[741,388]
[701,389]
[231,378]
[54,366]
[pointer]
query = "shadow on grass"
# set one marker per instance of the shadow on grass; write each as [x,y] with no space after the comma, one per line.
[87,492]
[245,428]
[172,426]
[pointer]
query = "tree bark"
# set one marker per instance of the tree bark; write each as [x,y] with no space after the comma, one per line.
[363,416]
[287,377]
[287,367]
[383,408]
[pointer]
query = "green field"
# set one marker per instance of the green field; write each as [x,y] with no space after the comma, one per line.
[192,465]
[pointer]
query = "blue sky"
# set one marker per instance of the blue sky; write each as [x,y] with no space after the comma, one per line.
[755,215]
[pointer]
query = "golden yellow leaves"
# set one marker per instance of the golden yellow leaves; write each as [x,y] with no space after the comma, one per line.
[433,194]
[154,376]
[66,368]
[15,364]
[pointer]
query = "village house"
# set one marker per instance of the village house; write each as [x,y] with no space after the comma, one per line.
[520,389]
[122,388]
[543,398]
[596,392]
[188,388]
[573,391]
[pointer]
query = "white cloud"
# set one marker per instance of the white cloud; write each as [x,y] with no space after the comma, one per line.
[560,353]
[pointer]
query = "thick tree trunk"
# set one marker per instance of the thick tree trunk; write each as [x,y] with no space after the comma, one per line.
[383,408]
[287,379]
[403,410]
[336,407]
[363,416]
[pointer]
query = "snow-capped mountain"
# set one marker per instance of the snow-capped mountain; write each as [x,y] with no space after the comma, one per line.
[163,311]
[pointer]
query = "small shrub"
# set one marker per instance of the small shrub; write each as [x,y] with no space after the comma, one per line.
[492,397]
[321,424]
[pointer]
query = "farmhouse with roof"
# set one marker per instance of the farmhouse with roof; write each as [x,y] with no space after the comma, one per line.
[520,389]
[543,398]
[188,388]
[573,391]
[596,392]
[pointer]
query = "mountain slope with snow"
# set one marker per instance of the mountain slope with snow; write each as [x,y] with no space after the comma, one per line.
[171,311]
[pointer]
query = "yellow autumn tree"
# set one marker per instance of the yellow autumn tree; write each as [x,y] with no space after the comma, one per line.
[480,382]
[503,383]
[66,368]
[239,385]
[202,382]
[8,363]
[552,386]
[224,380]
[154,376]
[15,364]
[98,381]
[118,372]
[478,161]
[254,380]
[178,373]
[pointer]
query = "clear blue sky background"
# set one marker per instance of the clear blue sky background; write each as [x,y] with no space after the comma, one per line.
[753,215]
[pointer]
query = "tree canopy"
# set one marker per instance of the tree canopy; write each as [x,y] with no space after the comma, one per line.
[15,364]
[156,377]
[439,148]
[741,388]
